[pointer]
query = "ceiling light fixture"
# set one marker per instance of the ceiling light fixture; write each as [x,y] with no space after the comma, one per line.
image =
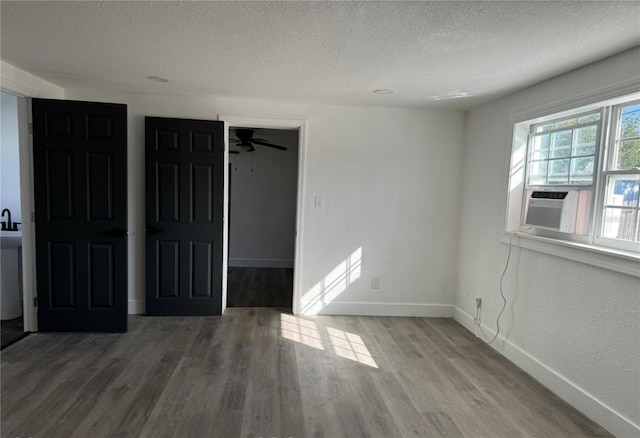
[157,79]
[382,91]
[457,94]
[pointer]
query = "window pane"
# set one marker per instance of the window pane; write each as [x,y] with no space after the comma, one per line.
[630,122]
[538,171]
[537,181]
[620,224]
[559,172]
[559,167]
[562,138]
[540,147]
[558,180]
[584,150]
[622,190]
[628,155]
[589,118]
[585,141]
[582,170]
[560,152]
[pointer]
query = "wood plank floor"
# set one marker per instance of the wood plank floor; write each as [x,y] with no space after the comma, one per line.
[11,330]
[260,287]
[265,373]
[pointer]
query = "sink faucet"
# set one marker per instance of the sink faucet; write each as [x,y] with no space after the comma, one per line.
[6,226]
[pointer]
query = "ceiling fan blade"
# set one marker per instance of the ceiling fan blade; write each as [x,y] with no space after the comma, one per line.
[233,140]
[234,152]
[270,145]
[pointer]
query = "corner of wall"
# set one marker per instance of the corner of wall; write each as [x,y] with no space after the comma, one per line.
[23,83]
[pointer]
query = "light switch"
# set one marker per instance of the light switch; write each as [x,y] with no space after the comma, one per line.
[318,203]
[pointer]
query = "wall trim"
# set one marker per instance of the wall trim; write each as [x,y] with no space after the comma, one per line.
[578,100]
[606,258]
[388,309]
[14,87]
[23,83]
[137,307]
[260,263]
[577,397]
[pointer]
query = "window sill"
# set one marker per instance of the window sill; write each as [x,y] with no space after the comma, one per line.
[606,258]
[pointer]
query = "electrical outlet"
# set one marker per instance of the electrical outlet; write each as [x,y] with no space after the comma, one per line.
[375,282]
[478,302]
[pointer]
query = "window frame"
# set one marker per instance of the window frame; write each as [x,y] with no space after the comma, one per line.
[602,156]
[570,157]
[614,114]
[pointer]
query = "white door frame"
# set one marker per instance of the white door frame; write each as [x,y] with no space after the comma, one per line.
[266,123]
[25,151]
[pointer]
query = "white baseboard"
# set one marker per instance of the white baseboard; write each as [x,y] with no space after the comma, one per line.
[577,397]
[137,307]
[387,309]
[260,263]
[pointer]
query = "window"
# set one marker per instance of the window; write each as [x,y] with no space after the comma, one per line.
[621,176]
[562,152]
[594,150]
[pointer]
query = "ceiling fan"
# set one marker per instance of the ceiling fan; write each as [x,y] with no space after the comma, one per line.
[245,139]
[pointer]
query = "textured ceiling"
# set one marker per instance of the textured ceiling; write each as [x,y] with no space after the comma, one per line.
[431,54]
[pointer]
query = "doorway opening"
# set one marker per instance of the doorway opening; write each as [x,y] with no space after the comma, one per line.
[12,309]
[263,204]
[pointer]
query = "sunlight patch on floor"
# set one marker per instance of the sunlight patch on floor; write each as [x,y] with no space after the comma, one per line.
[301,331]
[350,346]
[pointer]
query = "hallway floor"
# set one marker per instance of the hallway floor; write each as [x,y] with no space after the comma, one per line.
[260,287]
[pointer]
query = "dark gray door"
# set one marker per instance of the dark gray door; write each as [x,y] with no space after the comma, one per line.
[184,200]
[80,178]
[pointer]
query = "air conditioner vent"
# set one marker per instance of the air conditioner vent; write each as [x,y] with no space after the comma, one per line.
[554,210]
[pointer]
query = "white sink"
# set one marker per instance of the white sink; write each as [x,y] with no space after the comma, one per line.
[10,239]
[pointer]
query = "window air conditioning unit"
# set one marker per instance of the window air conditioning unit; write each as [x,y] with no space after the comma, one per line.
[553,210]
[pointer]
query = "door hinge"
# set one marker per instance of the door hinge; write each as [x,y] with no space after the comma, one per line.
[33,216]
[30,128]
[35,301]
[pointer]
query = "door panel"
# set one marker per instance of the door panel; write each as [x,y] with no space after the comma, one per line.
[101,275]
[168,269]
[80,168]
[100,171]
[201,189]
[201,274]
[60,196]
[184,196]
[62,286]
[168,177]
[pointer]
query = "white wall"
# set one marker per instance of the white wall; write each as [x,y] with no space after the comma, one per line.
[263,203]
[390,187]
[571,325]
[9,157]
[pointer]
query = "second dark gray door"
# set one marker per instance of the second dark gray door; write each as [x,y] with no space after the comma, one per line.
[184,203]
